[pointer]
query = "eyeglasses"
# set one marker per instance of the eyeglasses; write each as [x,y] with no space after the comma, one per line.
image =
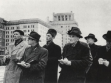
[30,38]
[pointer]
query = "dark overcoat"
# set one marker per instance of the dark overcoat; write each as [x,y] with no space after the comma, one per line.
[54,53]
[92,73]
[104,73]
[38,60]
[81,60]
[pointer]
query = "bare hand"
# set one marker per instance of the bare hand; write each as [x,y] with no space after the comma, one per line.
[27,65]
[106,63]
[65,61]
[22,63]
[100,61]
[61,61]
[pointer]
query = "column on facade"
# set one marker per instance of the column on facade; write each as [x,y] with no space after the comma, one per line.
[64,18]
[60,17]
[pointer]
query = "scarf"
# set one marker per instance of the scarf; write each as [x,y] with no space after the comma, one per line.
[108,46]
[18,41]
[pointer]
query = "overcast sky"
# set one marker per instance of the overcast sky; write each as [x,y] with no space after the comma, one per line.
[93,16]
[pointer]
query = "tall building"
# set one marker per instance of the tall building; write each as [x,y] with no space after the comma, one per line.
[28,25]
[2,36]
[63,22]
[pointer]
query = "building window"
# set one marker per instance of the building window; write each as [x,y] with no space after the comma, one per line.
[66,17]
[18,27]
[62,18]
[6,44]
[33,26]
[25,31]
[11,40]
[7,40]
[28,26]
[24,26]
[7,36]
[58,18]
[11,36]
[69,17]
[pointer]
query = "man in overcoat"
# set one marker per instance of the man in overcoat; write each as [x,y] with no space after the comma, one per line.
[92,73]
[54,53]
[34,61]
[76,59]
[14,53]
[104,60]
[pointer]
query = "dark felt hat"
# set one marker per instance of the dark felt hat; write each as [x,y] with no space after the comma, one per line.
[53,32]
[34,35]
[107,36]
[75,31]
[91,36]
[20,31]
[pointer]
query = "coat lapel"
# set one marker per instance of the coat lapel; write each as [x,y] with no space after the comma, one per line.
[33,54]
[18,46]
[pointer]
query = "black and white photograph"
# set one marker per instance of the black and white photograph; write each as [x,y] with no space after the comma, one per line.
[55,41]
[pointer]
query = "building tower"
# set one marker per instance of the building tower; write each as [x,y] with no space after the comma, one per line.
[63,22]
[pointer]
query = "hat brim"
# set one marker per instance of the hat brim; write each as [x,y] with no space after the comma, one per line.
[95,40]
[106,38]
[78,35]
[33,38]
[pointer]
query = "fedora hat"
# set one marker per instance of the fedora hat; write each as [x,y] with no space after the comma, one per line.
[34,35]
[75,31]
[107,36]
[91,36]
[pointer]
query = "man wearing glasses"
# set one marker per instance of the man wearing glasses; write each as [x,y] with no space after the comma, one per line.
[34,61]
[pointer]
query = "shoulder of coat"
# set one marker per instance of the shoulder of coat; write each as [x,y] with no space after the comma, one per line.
[24,43]
[43,49]
[57,45]
[84,44]
[67,45]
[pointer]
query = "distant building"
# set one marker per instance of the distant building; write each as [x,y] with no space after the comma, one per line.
[28,25]
[63,22]
[2,36]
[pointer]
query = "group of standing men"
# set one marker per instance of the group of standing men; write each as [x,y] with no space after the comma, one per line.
[79,62]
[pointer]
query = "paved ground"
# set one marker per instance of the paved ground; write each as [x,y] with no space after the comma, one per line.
[2,70]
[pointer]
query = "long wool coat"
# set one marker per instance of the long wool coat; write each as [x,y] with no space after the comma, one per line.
[81,60]
[12,71]
[37,57]
[52,64]
[104,73]
[92,73]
